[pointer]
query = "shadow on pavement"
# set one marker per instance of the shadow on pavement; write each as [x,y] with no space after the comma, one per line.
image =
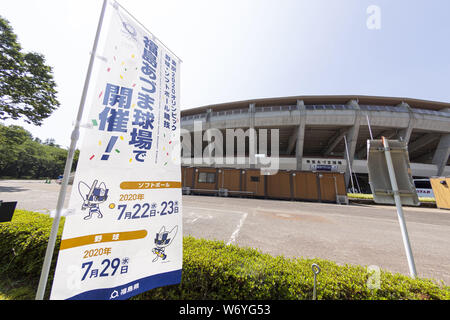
[12,189]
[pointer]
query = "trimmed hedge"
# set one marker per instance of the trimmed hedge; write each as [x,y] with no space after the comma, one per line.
[213,270]
[369,196]
[23,244]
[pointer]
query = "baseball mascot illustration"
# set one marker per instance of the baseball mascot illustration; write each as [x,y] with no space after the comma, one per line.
[92,197]
[163,239]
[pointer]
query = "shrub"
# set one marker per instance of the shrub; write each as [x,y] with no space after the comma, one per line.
[214,270]
[368,196]
[24,242]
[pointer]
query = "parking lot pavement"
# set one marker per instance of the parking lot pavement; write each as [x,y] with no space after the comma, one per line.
[353,234]
[33,195]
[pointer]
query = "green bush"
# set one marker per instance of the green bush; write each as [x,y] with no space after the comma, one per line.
[23,244]
[213,270]
[360,196]
[368,196]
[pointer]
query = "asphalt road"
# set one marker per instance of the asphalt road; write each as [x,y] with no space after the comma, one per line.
[353,234]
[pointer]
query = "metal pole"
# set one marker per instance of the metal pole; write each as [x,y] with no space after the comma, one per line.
[398,204]
[62,193]
[316,271]
[370,129]
[349,166]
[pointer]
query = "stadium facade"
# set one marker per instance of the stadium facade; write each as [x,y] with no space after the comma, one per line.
[317,133]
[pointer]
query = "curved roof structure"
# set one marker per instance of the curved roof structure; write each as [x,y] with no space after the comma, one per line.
[326,99]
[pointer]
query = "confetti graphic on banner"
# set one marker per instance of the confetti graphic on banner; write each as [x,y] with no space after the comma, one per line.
[135,118]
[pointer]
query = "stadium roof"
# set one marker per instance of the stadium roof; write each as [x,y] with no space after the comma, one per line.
[327,99]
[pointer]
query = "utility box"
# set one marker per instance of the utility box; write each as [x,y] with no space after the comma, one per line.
[441,190]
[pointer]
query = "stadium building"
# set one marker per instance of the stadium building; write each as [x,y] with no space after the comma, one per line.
[319,135]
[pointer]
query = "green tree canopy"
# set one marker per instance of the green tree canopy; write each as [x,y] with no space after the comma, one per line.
[22,156]
[27,89]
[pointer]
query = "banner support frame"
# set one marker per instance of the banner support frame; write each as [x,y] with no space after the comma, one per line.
[74,138]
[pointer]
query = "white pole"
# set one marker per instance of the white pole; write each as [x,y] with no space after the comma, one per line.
[62,192]
[349,165]
[398,204]
[370,129]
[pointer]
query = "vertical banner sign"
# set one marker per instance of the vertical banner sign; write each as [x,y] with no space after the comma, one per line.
[123,233]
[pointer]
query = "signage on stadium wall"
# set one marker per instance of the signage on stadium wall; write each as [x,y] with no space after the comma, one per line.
[324,167]
[123,233]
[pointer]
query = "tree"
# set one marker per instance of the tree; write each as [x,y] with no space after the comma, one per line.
[51,142]
[27,89]
[11,138]
[21,156]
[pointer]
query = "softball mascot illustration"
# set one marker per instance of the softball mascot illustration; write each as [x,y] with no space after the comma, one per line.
[93,196]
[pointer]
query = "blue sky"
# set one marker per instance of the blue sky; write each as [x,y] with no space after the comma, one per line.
[245,49]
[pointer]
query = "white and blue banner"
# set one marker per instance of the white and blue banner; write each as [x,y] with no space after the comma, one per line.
[123,233]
